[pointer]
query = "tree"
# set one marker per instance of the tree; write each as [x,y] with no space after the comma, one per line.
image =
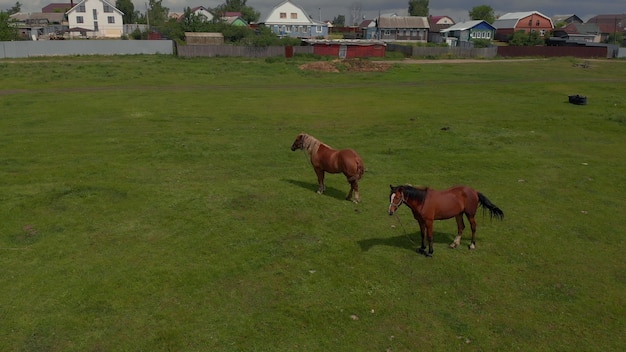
[521,38]
[15,9]
[128,8]
[7,30]
[193,22]
[418,7]
[248,13]
[482,12]
[355,13]
[339,21]
[615,38]
[157,14]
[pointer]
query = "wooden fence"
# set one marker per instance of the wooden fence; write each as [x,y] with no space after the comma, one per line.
[554,51]
[505,51]
[242,51]
[426,52]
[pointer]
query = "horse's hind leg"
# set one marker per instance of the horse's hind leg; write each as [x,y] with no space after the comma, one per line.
[354,190]
[473,226]
[460,225]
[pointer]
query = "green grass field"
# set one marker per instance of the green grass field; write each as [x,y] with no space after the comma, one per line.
[151,203]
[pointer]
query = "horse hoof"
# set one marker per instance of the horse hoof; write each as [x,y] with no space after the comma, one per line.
[453,245]
[471,247]
[421,251]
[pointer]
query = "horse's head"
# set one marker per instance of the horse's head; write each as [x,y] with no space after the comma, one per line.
[299,142]
[396,198]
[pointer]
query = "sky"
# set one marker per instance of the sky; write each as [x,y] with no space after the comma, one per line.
[356,10]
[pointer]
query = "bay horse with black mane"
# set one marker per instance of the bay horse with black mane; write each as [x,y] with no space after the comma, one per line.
[326,159]
[428,205]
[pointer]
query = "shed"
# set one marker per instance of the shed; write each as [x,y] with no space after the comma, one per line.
[347,49]
[398,28]
[204,38]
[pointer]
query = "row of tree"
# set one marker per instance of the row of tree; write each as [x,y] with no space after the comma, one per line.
[157,18]
[482,12]
[157,15]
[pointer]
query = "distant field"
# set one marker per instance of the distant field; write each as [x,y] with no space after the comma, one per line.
[151,203]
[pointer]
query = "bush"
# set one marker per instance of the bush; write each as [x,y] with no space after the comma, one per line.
[481,43]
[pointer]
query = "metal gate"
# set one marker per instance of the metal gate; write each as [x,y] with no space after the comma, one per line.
[343,51]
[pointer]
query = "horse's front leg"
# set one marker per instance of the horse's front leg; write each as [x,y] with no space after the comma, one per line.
[422,249]
[320,180]
[429,235]
[460,225]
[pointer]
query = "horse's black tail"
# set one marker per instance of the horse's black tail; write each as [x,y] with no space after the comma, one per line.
[493,209]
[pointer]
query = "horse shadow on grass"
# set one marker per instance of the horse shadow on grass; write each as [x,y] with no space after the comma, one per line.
[330,191]
[405,241]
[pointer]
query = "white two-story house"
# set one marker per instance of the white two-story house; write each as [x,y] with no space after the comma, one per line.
[95,18]
[290,20]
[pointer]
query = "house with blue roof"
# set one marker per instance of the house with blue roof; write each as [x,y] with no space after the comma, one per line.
[462,34]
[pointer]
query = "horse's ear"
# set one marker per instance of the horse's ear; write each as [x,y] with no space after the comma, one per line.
[390,186]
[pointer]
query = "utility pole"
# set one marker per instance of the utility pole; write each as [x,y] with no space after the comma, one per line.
[148,17]
[615,30]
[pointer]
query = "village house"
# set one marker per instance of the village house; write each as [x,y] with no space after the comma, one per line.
[579,32]
[290,20]
[437,24]
[462,34]
[95,18]
[403,28]
[531,21]
[609,25]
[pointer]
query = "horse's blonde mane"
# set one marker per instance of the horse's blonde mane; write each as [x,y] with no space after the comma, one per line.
[310,144]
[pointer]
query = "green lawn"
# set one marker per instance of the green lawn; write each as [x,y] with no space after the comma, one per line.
[151,203]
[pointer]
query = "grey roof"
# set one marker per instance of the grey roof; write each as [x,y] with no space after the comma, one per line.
[562,18]
[581,28]
[510,23]
[403,22]
[463,26]
[53,17]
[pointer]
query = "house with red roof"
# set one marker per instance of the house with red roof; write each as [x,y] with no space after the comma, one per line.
[530,21]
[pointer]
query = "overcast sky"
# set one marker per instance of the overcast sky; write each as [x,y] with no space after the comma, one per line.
[369,9]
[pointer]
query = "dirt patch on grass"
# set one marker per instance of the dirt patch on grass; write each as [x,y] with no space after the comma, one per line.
[349,65]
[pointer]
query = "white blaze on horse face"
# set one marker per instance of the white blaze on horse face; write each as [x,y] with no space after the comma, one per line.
[393,196]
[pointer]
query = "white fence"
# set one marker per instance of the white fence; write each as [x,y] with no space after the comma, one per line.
[24,49]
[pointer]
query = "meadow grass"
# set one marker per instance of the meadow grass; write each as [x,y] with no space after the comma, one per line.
[151,203]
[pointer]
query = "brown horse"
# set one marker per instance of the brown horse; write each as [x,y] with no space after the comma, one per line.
[326,159]
[428,205]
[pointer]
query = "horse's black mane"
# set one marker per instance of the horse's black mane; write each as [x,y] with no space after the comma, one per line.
[418,193]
